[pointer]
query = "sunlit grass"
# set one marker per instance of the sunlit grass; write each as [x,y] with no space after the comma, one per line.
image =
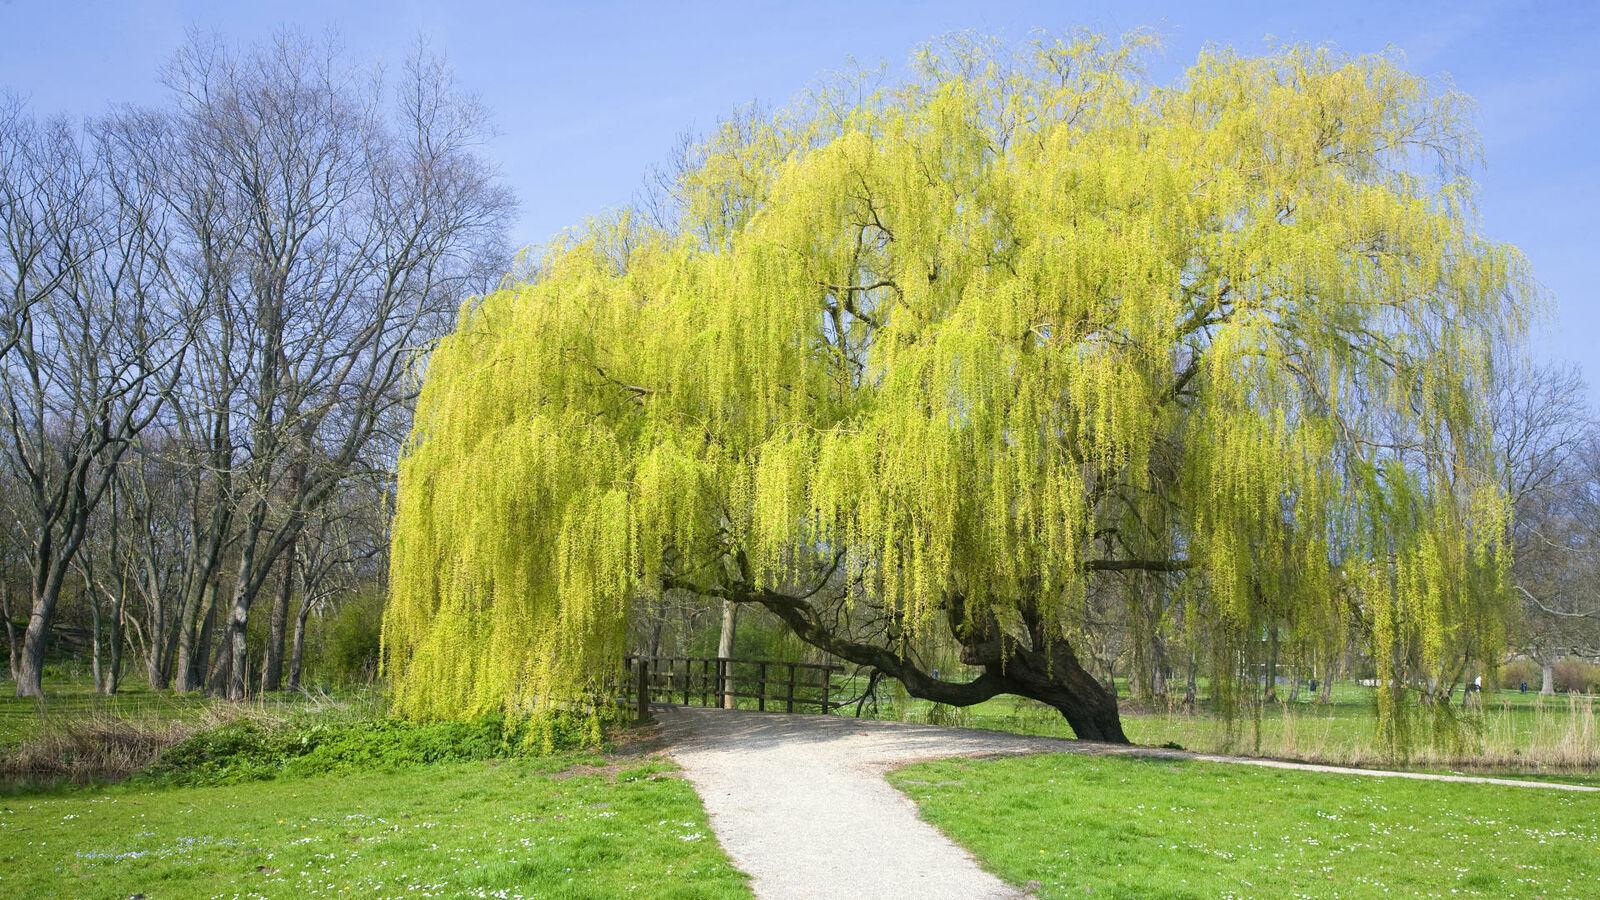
[1071,825]
[522,827]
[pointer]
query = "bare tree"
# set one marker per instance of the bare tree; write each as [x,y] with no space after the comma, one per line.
[1547,438]
[88,346]
[360,215]
[213,311]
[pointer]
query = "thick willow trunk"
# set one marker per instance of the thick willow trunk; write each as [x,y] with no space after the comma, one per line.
[1027,661]
[1055,679]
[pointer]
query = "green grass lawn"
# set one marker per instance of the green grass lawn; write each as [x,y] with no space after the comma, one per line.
[1079,825]
[521,827]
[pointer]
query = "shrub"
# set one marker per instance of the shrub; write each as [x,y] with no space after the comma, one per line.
[350,640]
[254,750]
[1577,676]
[1514,673]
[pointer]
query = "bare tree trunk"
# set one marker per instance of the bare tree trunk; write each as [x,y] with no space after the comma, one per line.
[30,671]
[297,648]
[205,640]
[1158,673]
[13,640]
[277,625]
[1191,686]
[1140,665]
[234,632]
[94,637]
[156,656]
[190,616]
[195,637]
[117,634]
[1271,693]
[730,623]
[1547,677]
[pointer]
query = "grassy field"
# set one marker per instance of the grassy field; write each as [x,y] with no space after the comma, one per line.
[567,826]
[1071,825]
[1508,732]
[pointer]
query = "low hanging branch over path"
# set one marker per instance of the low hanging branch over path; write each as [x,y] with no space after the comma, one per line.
[1041,667]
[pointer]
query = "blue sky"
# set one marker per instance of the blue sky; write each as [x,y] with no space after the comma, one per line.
[588,96]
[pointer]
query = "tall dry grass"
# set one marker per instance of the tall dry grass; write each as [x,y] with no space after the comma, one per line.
[102,746]
[1554,735]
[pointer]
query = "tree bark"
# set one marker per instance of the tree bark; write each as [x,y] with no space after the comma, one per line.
[195,641]
[1547,678]
[94,635]
[277,625]
[1039,666]
[1325,690]
[13,640]
[1191,685]
[730,624]
[1271,693]
[48,581]
[298,643]
[1158,673]
[114,654]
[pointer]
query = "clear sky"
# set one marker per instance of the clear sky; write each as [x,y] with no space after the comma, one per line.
[588,95]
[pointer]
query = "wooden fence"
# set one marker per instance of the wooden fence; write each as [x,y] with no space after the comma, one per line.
[714,681]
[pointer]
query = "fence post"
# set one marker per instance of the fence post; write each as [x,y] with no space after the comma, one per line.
[791,687]
[827,686]
[761,698]
[644,691]
[722,683]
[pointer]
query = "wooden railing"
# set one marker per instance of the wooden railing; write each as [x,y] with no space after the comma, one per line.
[720,681]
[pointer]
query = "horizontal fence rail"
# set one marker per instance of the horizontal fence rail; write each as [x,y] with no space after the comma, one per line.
[722,682]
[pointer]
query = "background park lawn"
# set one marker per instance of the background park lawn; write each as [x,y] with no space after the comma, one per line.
[1074,825]
[566,826]
[1505,733]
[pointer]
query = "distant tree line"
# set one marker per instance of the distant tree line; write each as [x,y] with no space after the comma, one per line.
[214,311]
[1549,447]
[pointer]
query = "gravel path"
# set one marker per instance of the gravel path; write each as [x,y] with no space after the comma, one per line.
[800,803]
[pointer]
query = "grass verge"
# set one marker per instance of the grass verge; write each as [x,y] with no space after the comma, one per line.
[1068,825]
[565,826]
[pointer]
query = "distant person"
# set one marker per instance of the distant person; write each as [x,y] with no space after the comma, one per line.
[1477,685]
[1524,687]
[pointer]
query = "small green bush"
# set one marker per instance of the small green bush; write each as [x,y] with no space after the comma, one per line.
[351,639]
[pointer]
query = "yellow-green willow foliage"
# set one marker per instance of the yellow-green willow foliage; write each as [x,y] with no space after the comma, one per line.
[1022,312]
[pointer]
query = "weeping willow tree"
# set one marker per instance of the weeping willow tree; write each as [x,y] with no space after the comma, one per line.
[925,360]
